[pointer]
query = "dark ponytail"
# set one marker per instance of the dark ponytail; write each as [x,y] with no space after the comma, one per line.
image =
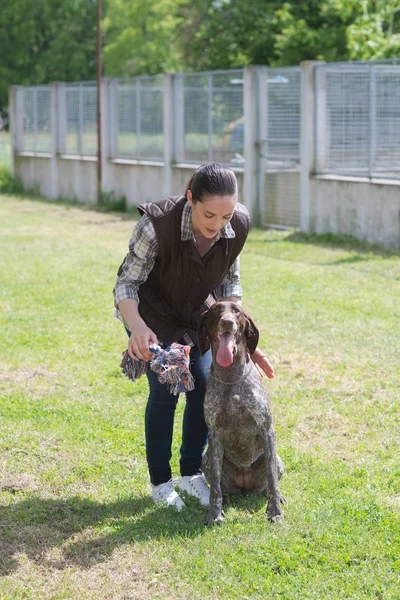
[211,180]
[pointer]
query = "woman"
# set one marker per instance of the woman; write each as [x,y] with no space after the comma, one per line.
[183,254]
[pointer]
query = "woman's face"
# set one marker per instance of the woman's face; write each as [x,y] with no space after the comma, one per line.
[212,214]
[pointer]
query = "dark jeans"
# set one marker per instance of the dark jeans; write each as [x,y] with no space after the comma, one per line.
[159,422]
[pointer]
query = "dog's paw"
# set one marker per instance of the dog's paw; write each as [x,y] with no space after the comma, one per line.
[215,520]
[274,513]
[275,518]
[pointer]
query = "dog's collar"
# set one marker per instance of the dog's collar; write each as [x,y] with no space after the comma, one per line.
[245,374]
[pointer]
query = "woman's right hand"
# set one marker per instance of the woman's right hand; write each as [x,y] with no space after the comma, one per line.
[141,338]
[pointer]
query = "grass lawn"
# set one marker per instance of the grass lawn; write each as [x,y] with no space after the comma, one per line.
[76,520]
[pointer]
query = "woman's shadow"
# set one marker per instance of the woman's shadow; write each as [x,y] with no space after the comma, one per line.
[37,526]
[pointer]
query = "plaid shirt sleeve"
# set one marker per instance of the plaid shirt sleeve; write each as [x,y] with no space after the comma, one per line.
[230,286]
[143,251]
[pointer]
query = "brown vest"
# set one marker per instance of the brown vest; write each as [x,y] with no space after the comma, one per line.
[173,297]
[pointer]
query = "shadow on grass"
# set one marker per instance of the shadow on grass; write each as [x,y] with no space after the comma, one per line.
[86,532]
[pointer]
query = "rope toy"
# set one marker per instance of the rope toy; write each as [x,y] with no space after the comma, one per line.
[171,365]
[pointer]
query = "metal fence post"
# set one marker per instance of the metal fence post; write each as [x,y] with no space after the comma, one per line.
[179,118]
[112,118]
[307,122]
[372,120]
[60,125]
[251,151]
[321,121]
[168,131]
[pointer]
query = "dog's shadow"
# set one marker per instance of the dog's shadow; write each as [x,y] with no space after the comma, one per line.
[84,532]
[250,503]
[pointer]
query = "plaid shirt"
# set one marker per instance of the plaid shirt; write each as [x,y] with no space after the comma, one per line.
[143,251]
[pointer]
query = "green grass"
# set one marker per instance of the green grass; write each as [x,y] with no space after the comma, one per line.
[76,520]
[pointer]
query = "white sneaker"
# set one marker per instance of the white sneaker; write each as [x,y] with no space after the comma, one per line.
[165,494]
[195,485]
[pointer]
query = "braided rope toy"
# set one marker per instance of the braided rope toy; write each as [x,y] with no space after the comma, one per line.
[171,365]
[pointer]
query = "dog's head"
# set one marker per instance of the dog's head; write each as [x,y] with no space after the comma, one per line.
[228,330]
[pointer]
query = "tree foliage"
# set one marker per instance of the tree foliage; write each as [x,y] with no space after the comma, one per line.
[140,37]
[46,40]
[55,40]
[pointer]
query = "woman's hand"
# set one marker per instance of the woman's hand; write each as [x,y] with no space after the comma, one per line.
[141,338]
[262,363]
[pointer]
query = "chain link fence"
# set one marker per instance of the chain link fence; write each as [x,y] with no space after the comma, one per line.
[358,119]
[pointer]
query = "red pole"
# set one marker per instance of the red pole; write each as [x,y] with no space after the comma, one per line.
[99,69]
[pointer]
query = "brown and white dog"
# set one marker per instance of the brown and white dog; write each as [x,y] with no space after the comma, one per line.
[241,455]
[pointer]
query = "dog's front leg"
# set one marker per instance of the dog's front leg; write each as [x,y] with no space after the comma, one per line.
[215,458]
[274,510]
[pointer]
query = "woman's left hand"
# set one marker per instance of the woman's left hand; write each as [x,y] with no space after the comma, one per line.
[262,363]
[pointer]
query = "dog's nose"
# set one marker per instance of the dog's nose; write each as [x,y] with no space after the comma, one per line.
[228,323]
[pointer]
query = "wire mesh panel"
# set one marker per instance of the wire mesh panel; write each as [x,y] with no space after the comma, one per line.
[213,117]
[72,142]
[279,98]
[81,127]
[358,119]
[386,141]
[347,126]
[282,143]
[139,118]
[37,126]
[89,110]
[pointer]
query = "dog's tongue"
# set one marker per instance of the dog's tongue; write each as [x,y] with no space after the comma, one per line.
[225,350]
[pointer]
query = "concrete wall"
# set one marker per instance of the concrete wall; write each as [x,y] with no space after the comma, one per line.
[368,210]
[75,178]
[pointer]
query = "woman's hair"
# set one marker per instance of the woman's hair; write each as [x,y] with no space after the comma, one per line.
[211,180]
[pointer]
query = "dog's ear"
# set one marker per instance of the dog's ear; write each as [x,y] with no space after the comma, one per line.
[202,332]
[252,334]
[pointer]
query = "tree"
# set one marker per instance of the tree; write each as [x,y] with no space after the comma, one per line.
[233,33]
[140,37]
[46,40]
[223,34]
[376,32]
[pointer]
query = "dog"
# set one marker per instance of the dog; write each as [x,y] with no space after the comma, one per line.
[241,455]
